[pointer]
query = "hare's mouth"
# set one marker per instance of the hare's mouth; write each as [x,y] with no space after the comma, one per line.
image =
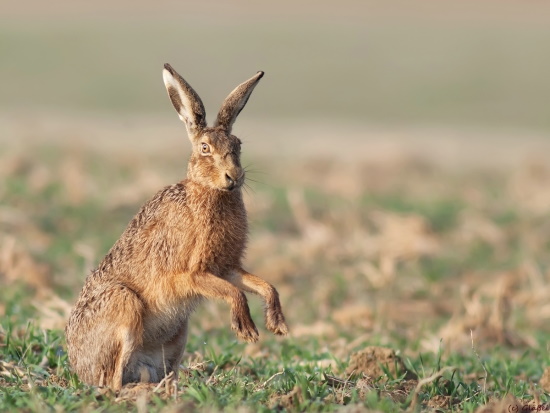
[232,184]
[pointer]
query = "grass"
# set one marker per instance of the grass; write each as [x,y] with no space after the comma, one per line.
[445,282]
[36,377]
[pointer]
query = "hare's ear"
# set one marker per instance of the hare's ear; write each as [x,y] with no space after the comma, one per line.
[234,103]
[186,101]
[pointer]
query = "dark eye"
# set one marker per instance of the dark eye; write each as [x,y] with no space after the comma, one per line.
[205,148]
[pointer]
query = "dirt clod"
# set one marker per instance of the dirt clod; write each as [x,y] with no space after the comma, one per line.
[58,381]
[289,401]
[372,361]
[440,402]
[506,405]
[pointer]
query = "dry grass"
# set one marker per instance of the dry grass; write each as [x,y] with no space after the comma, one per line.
[409,254]
[360,234]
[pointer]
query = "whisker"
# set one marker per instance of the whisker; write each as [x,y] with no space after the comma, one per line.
[256,171]
[247,169]
[259,182]
[255,181]
[248,187]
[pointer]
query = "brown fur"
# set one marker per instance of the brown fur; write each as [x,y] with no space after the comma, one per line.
[130,321]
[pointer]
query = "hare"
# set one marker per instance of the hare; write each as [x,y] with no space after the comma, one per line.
[130,321]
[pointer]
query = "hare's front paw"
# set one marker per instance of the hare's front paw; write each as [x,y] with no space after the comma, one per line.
[245,328]
[275,322]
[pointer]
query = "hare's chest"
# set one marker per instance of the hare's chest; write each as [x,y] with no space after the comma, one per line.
[222,240]
[227,240]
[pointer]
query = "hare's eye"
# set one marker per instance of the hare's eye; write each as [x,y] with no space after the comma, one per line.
[205,148]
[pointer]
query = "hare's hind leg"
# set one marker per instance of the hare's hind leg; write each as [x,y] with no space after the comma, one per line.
[274,318]
[102,333]
[174,349]
[125,346]
[150,363]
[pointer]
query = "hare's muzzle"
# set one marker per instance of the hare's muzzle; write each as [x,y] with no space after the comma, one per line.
[234,179]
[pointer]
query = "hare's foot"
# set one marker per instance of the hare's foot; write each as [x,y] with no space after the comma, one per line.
[275,321]
[209,285]
[242,324]
[274,318]
[155,360]
[246,330]
[141,369]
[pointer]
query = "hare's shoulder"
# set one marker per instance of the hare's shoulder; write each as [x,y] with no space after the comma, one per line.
[152,222]
[158,208]
[171,196]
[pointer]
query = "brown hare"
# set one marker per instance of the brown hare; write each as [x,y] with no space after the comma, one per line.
[130,321]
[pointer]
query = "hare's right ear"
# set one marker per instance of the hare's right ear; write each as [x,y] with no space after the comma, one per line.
[186,101]
[235,102]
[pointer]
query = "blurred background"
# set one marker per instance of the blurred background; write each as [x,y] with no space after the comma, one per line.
[399,185]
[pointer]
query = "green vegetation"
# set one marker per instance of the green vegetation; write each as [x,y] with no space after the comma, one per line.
[452,287]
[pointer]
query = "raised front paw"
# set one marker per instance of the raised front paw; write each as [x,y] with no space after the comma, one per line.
[275,322]
[245,328]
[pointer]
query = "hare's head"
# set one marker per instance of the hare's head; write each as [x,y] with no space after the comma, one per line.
[215,161]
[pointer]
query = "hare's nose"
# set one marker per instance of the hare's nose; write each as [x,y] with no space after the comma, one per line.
[230,181]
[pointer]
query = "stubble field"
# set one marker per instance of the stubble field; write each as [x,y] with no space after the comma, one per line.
[405,228]
[445,267]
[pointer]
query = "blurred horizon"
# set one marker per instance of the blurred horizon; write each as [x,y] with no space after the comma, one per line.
[442,64]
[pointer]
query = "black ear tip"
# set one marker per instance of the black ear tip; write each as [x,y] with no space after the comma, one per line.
[261,74]
[169,68]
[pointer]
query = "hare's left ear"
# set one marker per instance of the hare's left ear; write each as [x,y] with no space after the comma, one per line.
[235,102]
[186,101]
